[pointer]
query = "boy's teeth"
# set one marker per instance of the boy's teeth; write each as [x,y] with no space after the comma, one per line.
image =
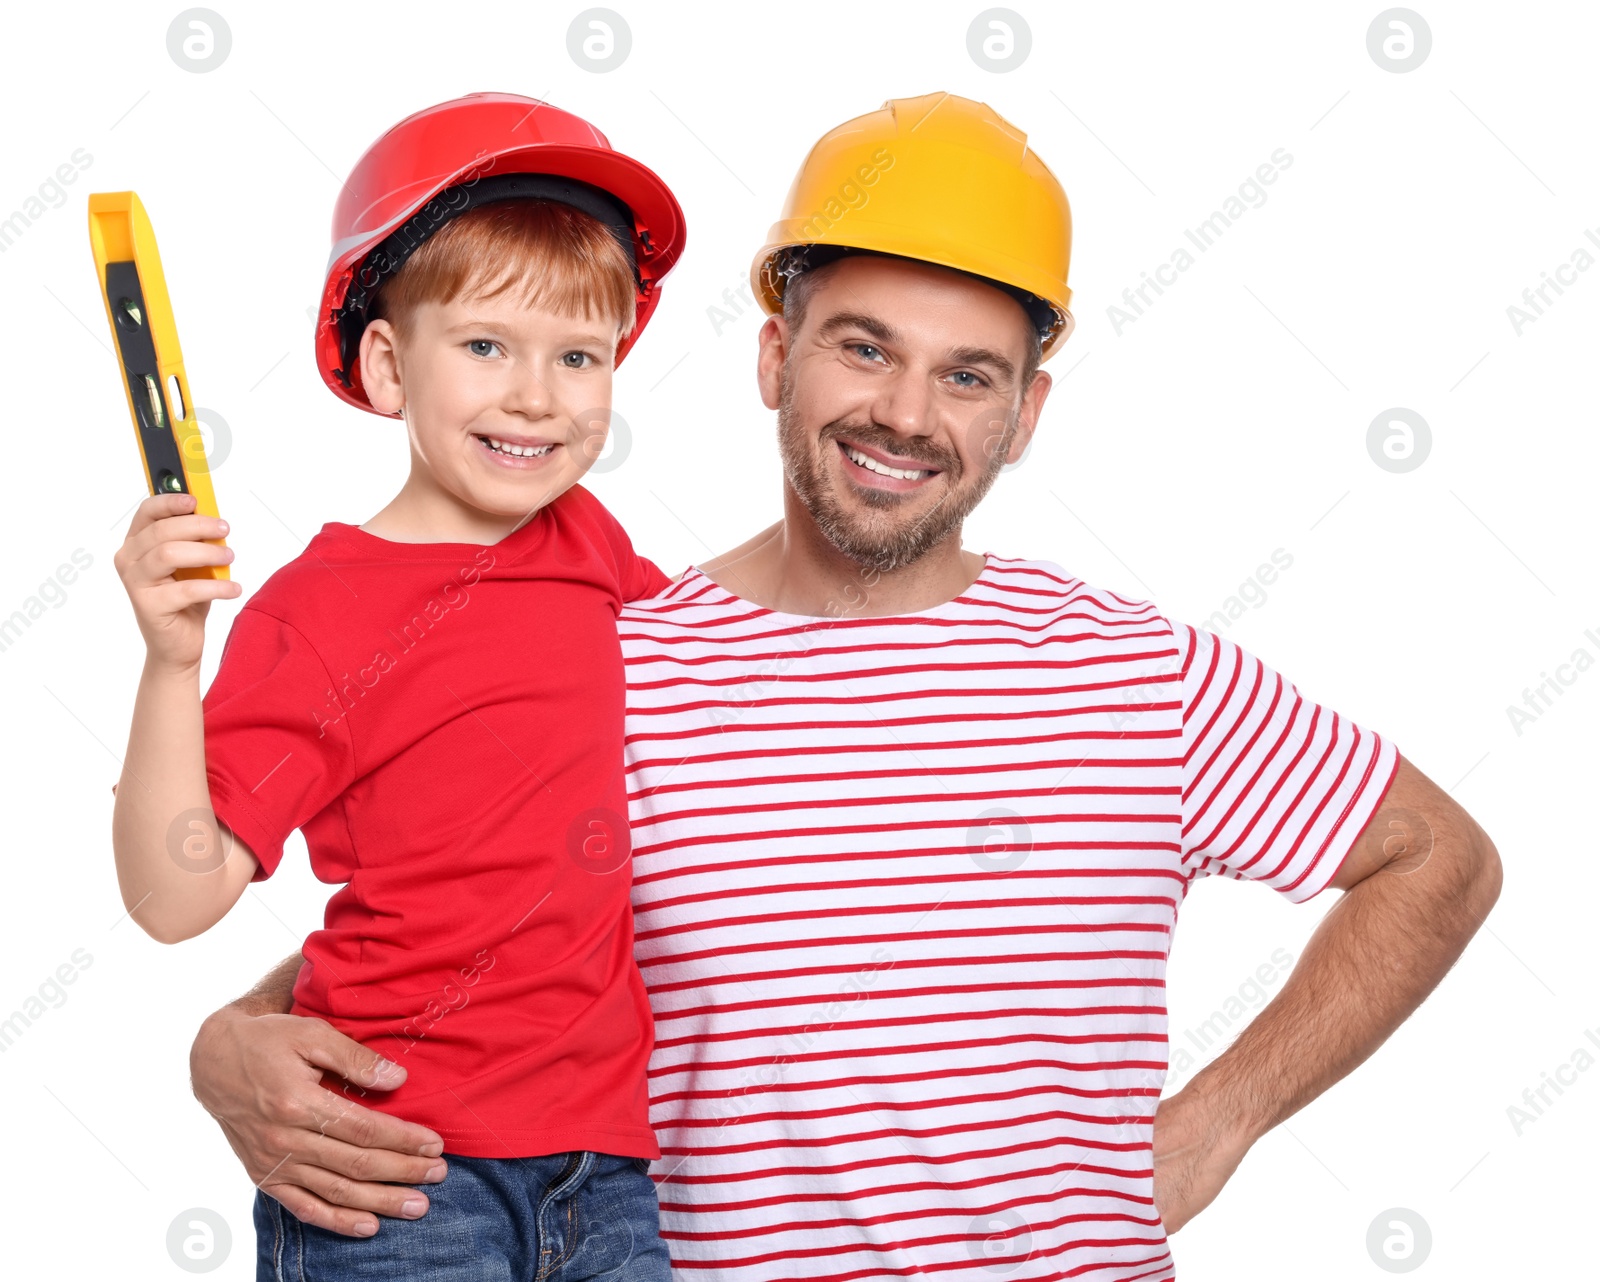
[872,465]
[520,451]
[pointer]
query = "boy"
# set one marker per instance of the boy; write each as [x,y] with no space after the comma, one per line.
[435,699]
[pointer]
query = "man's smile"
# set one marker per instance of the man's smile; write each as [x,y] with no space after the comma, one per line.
[879,470]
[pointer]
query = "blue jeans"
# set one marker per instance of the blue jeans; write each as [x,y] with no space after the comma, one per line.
[562,1218]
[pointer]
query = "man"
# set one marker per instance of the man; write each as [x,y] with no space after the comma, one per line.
[911,825]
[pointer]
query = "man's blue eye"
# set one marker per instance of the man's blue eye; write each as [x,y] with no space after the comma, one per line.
[967,373]
[867,349]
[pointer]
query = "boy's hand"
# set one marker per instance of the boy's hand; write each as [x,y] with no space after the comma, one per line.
[167,534]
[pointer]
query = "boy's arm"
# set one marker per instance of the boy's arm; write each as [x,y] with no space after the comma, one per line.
[329,1160]
[179,870]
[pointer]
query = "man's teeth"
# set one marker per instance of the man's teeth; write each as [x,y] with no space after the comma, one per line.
[883,469]
[520,451]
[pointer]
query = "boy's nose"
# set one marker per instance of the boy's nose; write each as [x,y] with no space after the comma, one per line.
[527,393]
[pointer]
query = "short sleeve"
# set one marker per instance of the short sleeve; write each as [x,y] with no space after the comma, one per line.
[1276,788]
[278,748]
[638,579]
[648,581]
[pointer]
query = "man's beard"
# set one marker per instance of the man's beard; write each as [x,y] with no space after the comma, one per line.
[880,545]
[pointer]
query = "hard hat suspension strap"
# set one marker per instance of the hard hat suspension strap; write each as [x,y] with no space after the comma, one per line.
[391,253]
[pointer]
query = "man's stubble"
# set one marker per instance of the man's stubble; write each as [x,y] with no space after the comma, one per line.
[881,545]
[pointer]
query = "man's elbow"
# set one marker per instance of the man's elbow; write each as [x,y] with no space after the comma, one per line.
[1490,876]
[1481,874]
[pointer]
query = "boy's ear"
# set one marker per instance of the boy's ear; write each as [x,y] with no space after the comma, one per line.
[380,368]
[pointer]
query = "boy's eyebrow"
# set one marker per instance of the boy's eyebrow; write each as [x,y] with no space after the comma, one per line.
[467,326]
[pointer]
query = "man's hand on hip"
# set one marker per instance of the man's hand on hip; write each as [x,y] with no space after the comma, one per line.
[330,1161]
[1192,1159]
[1418,882]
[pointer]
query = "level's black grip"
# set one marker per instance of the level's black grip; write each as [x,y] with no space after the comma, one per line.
[161,455]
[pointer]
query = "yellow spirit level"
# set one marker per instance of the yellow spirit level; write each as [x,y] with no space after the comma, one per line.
[140,315]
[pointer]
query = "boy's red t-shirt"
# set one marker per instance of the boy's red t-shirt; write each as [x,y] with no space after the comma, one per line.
[444,723]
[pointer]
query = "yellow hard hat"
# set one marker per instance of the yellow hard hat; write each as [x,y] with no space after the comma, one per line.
[940,179]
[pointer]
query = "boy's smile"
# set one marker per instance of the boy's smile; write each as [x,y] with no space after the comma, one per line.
[515,453]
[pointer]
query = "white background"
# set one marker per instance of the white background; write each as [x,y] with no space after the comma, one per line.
[1173,458]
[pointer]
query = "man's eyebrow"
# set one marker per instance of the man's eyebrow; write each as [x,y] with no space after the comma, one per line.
[1000,364]
[840,322]
[867,324]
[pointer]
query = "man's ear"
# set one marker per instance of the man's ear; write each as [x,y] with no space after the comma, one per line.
[380,368]
[1028,415]
[774,350]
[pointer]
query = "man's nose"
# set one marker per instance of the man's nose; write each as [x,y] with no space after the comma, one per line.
[904,403]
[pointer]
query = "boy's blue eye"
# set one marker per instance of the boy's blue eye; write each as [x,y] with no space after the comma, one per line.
[575,360]
[477,344]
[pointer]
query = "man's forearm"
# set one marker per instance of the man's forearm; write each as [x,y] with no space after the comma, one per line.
[274,994]
[1373,959]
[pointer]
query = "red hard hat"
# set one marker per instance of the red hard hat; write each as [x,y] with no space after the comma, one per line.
[463,153]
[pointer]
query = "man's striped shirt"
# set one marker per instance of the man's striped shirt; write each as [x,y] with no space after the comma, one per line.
[904,890]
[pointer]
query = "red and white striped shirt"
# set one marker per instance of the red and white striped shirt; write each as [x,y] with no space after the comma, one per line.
[904,890]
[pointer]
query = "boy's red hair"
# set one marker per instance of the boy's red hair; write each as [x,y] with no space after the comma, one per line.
[559,257]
